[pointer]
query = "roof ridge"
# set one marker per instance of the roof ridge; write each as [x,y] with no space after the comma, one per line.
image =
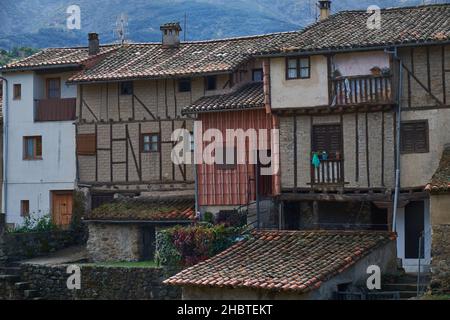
[396,8]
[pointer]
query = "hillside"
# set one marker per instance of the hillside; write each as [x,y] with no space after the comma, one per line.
[43,22]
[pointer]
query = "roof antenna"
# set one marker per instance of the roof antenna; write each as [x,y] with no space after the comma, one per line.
[121,28]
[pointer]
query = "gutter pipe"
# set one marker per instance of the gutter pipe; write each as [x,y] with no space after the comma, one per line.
[5,146]
[398,138]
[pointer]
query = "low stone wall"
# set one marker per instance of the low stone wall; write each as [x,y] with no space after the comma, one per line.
[440,268]
[102,283]
[21,246]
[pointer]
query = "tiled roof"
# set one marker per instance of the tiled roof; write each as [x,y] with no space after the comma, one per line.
[55,57]
[440,183]
[146,209]
[152,60]
[283,260]
[399,26]
[249,96]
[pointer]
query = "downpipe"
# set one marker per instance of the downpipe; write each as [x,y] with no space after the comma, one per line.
[5,146]
[398,138]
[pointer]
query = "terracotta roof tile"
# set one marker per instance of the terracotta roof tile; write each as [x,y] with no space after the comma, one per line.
[283,260]
[440,183]
[399,26]
[152,60]
[249,96]
[146,209]
[55,57]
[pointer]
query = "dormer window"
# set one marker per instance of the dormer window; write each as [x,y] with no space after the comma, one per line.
[298,68]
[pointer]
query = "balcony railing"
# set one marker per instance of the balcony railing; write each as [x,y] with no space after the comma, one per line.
[55,109]
[329,172]
[361,89]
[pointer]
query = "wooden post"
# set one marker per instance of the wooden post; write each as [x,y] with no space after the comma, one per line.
[316,214]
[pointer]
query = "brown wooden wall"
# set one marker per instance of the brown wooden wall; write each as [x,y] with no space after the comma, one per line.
[235,186]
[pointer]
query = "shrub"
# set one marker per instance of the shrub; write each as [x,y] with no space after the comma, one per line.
[186,246]
[33,223]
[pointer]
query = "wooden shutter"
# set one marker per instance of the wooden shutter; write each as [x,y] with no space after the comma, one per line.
[327,138]
[414,137]
[86,144]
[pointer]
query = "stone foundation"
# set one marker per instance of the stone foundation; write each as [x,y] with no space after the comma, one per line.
[440,267]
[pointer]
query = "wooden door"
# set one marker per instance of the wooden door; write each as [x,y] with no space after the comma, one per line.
[62,204]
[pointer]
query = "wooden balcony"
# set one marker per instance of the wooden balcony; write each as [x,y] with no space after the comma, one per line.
[329,172]
[55,109]
[361,90]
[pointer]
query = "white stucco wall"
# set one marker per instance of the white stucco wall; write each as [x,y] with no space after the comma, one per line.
[360,63]
[299,92]
[34,180]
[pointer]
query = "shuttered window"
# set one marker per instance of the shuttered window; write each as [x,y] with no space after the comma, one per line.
[327,138]
[86,144]
[414,137]
[32,148]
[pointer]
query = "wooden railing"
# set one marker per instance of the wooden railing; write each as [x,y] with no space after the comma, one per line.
[328,172]
[361,89]
[55,109]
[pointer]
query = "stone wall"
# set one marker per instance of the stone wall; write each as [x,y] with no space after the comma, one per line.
[101,283]
[114,242]
[440,281]
[21,246]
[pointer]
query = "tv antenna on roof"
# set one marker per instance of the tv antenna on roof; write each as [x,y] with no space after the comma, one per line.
[121,28]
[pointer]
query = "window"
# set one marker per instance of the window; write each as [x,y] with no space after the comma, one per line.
[150,142]
[86,144]
[53,88]
[126,88]
[414,137]
[32,148]
[24,208]
[184,85]
[328,138]
[257,75]
[211,83]
[298,68]
[17,91]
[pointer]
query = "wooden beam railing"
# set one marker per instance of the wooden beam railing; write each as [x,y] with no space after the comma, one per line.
[329,172]
[361,89]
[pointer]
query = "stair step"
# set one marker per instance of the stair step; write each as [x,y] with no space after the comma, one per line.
[30,294]
[22,285]
[408,294]
[10,270]
[9,277]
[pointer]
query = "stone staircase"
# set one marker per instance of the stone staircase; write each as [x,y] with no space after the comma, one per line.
[406,284]
[12,287]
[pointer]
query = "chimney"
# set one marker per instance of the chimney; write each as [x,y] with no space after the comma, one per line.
[94,45]
[171,34]
[325,8]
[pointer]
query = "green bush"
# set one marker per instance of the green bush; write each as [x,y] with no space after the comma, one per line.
[34,223]
[186,246]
